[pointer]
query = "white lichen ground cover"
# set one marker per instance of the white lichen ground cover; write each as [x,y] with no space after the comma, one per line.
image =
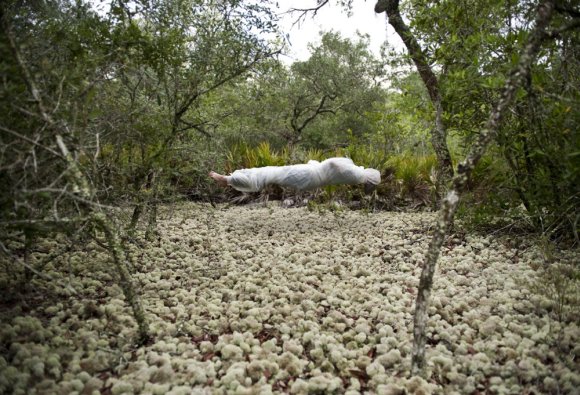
[271,300]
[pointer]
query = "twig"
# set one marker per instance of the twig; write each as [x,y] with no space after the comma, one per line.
[34,161]
[41,222]
[59,95]
[73,195]
[558,32]
[561,8]
[28,139]
[98,148]
[33,270]
[304,12]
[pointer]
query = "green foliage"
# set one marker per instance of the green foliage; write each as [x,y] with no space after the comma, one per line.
[490,173]
[161,93]
[130,91]
[324,205]
[314,154]
[364,155]
[312,103]
[537,143]
[242,156]
[414,176]
[489,202]
[337,83]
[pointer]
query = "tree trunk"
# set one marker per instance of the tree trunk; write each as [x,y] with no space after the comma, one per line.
[143,201]
[28,273]
[119,261]
[439,132]
[451,201]
[151,230]
[152,204]
[137,211]
[114,244]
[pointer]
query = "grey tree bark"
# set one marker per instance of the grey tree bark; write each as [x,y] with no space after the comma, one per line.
[451,201]
[439,133]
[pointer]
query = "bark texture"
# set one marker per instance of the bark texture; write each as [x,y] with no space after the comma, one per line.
[451,201]
[439,133]
[118,255]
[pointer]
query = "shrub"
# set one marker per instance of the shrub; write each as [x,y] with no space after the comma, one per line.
[414,176]
[557,282]
[364,155]
[242,156]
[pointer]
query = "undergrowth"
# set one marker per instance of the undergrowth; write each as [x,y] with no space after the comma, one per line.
[557,284]
[407,179]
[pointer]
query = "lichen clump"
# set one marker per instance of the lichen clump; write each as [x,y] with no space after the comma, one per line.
[273,300]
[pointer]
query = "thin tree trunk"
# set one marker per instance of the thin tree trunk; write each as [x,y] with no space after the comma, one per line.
[151,230]
[137,211]
[138,185]
[451,201]
[439,133]
[28,273]
[119,261]
[142,201]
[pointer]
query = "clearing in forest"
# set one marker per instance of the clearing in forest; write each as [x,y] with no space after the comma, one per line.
[272,300]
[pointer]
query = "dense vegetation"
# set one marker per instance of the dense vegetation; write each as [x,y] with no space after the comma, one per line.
[153,95]
[108,112]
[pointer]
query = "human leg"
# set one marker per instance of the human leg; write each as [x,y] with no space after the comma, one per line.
[221,180]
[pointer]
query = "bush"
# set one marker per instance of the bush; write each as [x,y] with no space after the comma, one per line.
[414,177]
[489,203]
[242,156]
[364,155]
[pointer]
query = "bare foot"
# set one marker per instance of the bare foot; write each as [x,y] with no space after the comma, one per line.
[222,181]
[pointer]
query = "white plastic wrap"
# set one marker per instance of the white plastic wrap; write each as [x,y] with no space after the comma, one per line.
[312,175]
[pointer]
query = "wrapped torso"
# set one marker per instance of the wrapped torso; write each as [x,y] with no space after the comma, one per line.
[302,177]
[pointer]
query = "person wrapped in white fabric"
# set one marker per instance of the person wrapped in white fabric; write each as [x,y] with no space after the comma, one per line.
[302,177]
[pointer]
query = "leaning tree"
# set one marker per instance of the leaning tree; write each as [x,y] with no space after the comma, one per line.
[542,31]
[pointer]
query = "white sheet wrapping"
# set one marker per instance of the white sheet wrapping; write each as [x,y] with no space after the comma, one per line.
[312,175]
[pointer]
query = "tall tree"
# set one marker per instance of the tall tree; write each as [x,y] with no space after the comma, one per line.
[517,78]
[439,133]
[313,102]
[71,181]
[182,52]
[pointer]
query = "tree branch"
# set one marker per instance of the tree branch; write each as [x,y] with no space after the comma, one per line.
[556,33]
[563,9]
[319,110]
[20,136]
[28,80]
[439,135]
[304,12]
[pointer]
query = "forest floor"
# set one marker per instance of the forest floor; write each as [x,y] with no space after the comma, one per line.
[257,300]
